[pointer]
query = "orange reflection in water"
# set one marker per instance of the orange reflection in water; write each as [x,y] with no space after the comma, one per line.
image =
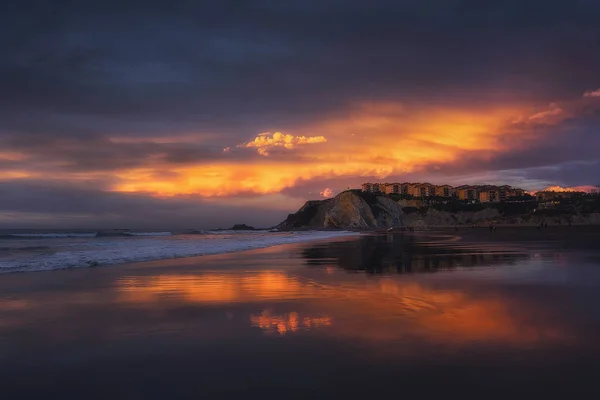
[373,309]
[290,322]
[215,288]
[448,315]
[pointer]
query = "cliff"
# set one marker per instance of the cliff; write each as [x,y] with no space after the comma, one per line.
[355,210]
[347,210]
[362,211]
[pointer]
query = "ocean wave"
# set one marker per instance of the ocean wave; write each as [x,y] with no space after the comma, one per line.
[128,251]
[234,232]
[53,235]
[125,233]
[63,235]
[147,233]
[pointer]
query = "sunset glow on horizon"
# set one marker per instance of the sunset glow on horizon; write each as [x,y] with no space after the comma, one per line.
[378,141]
[180,118]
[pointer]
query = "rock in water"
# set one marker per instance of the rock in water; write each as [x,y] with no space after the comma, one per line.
[242,227]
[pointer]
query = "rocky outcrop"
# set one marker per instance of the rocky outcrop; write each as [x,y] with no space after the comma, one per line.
[576,219]
[355,210]
[348,210]
[310,215]
[435,217]
[362,211]
[242,227]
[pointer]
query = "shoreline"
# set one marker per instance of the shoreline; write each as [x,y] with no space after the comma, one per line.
[42,265]
[572,236]
[485,224]
[471,227]
[466,235]
[396,303]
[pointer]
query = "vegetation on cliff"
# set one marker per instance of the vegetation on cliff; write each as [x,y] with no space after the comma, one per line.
[356,210]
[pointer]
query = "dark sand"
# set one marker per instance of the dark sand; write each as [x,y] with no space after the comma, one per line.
[492,314]
[579,236]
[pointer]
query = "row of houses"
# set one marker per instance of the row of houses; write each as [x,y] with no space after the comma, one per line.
[482,193]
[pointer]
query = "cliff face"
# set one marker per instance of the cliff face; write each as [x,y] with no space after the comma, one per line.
[348,210]
[358,211]
[434,217]
[362,211]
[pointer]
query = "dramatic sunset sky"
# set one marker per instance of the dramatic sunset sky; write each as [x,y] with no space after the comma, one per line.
[203,114]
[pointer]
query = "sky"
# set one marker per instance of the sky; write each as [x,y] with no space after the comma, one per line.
[202,114]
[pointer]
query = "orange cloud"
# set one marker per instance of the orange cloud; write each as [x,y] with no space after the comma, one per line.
[266,141]
[592,93]
[12,156]
[586,189]
[550,115]
[327,193]
[374,139]
[9,175]
[225,179]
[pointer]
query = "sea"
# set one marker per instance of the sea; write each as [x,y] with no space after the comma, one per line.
[508,314]
[46,250]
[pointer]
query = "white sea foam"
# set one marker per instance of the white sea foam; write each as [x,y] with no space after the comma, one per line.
[147,233]
[109,251]
[234,232]
[55,235]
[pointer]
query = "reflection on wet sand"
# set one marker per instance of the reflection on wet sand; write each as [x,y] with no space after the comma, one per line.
[385,308]
[442,316]
[215,288]
[398,253]
[335,318]
[290,322]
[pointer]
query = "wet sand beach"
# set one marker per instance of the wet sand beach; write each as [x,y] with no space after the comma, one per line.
[576,236]
[473,313]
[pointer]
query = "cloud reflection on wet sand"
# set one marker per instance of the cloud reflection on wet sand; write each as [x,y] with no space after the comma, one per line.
[215,288]
[375,309]
[290,322]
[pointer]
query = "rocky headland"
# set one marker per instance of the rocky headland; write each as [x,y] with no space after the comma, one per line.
[355,210]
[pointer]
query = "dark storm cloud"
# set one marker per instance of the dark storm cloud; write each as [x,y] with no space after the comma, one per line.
[575,141]
[74,74]
[236,68]
[29,200]
[235,62]
[95,153]
[576,173]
